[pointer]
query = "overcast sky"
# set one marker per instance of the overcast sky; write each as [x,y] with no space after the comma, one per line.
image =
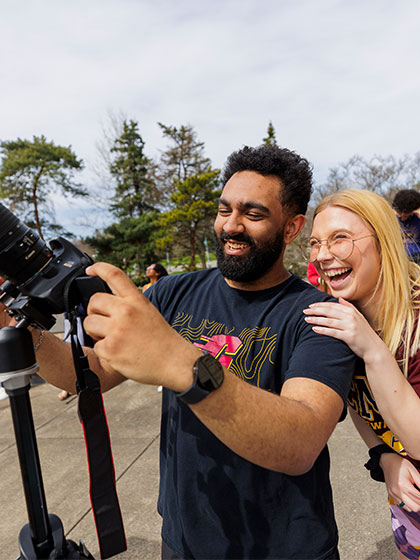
[336,78]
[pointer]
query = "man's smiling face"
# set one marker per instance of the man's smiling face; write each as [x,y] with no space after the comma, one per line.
[249,227]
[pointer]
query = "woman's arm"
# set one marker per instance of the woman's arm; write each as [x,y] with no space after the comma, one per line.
[365,431]
[396,399]
[401,476]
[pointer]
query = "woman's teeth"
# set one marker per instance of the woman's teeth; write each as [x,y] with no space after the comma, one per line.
[336,272]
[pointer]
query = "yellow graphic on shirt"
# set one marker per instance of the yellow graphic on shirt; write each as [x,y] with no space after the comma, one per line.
[244,354]
[361,400]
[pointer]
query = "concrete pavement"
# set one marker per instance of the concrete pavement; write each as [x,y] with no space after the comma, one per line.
[133,416]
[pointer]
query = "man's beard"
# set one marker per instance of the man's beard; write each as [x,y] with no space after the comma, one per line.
[255,264]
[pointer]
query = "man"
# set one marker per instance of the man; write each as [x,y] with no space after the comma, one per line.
[244,462]
[406,204]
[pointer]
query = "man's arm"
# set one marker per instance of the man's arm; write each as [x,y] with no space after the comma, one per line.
[284,433]
[55,359]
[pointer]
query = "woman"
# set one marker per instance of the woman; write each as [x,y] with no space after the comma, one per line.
[153,273]
[357,248]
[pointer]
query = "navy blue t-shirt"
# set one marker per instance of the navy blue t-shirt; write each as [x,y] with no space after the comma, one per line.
[214,503]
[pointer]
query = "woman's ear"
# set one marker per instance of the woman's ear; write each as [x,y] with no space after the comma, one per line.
[293,227]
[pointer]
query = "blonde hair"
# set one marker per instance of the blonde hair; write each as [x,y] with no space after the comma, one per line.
[398,284]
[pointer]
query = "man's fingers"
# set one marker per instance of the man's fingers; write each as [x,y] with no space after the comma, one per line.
[101,303]
[118,282]
[96,326]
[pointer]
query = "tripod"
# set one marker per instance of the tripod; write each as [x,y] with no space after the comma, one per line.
[43,537]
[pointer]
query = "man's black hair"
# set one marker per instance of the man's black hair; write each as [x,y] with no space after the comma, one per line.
[294,172]
[161,270]
[406,201]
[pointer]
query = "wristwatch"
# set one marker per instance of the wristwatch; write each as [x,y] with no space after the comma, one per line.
[208,376]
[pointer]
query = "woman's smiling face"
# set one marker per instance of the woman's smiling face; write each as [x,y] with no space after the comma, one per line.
[354,278]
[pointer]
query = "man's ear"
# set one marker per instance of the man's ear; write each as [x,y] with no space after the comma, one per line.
[293,227]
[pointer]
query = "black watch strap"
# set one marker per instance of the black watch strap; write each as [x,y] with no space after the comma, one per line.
[208,376]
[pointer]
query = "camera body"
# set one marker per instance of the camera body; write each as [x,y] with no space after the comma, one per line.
[41,280]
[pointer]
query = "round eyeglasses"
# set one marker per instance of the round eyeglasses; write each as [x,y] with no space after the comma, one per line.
[340,245]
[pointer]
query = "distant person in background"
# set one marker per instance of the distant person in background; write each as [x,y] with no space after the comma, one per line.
[153,273]
[406,204]
[312,275]
[315,279]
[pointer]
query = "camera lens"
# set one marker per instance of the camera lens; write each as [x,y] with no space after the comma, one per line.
[22,252]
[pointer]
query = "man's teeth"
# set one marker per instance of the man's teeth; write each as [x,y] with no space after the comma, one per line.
[236,245]
[336,272]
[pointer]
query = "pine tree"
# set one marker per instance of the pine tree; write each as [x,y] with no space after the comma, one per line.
[191,187]
[132,170]
[270,139]
[30,171]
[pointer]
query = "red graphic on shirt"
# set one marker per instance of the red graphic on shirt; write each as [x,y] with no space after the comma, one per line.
[221,347]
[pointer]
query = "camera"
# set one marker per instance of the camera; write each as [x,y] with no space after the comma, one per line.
[41,280]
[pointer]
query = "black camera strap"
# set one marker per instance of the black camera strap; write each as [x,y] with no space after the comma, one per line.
[103,492]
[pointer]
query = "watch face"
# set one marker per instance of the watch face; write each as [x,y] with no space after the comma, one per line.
[209,372]
[208,376]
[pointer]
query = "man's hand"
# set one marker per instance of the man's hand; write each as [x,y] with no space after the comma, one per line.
[133,338]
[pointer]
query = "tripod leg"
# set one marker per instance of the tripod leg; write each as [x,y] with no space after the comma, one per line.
[63,549]
[31,470]
[43,536]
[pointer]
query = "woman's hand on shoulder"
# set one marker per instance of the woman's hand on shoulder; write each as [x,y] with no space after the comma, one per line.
[402,480]
[343,321]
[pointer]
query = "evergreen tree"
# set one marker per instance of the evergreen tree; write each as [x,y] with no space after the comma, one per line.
[129,244]
[132,170]
[191,188]
[190,222]
[31,170]
[270,139]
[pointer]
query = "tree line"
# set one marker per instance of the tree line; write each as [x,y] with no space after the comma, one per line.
[165,206]
[155,208]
